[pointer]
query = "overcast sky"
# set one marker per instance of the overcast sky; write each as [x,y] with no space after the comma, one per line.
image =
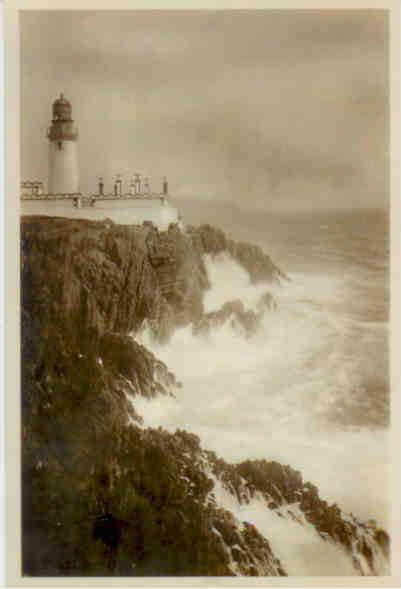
[277,109]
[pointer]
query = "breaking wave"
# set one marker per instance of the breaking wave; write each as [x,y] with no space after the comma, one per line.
[301,550]
[308,389]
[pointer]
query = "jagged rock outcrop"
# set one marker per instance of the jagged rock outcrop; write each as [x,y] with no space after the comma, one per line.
[235,313]
[101,494]
[111,278]
[144,374]
[232,311]
[108,277]
[209,240]
[281,486]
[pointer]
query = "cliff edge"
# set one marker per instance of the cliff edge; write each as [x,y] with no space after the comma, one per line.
[102,495]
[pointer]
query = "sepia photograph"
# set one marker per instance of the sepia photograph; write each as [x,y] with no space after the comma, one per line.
[204,272]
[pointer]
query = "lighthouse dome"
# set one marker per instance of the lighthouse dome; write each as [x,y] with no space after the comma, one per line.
[62,109]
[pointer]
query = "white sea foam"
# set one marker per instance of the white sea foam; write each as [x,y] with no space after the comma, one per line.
[296,392]
[234,284]
[301,550]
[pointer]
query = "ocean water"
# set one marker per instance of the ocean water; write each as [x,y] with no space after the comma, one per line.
[311,387]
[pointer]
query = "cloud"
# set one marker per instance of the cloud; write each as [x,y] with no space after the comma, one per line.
[290,102]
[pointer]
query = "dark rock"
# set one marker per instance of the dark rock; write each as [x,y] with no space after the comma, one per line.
[122,356]
[101,495]
[259,266]
[108,529]
[235,312]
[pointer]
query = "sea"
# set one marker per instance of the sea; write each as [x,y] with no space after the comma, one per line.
[311,388]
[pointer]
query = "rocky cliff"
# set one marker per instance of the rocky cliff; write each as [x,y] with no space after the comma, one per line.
[102,495]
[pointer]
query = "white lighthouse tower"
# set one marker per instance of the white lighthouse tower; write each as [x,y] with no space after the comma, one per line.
[63,157]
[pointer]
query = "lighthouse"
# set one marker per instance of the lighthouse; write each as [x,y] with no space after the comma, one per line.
[63,157]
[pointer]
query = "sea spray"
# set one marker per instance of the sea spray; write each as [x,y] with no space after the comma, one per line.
[301,550]
[295,392]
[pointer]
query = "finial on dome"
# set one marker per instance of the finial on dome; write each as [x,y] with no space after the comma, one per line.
[62,109]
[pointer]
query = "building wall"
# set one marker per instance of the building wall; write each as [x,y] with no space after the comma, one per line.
[124,213]
[63,167]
